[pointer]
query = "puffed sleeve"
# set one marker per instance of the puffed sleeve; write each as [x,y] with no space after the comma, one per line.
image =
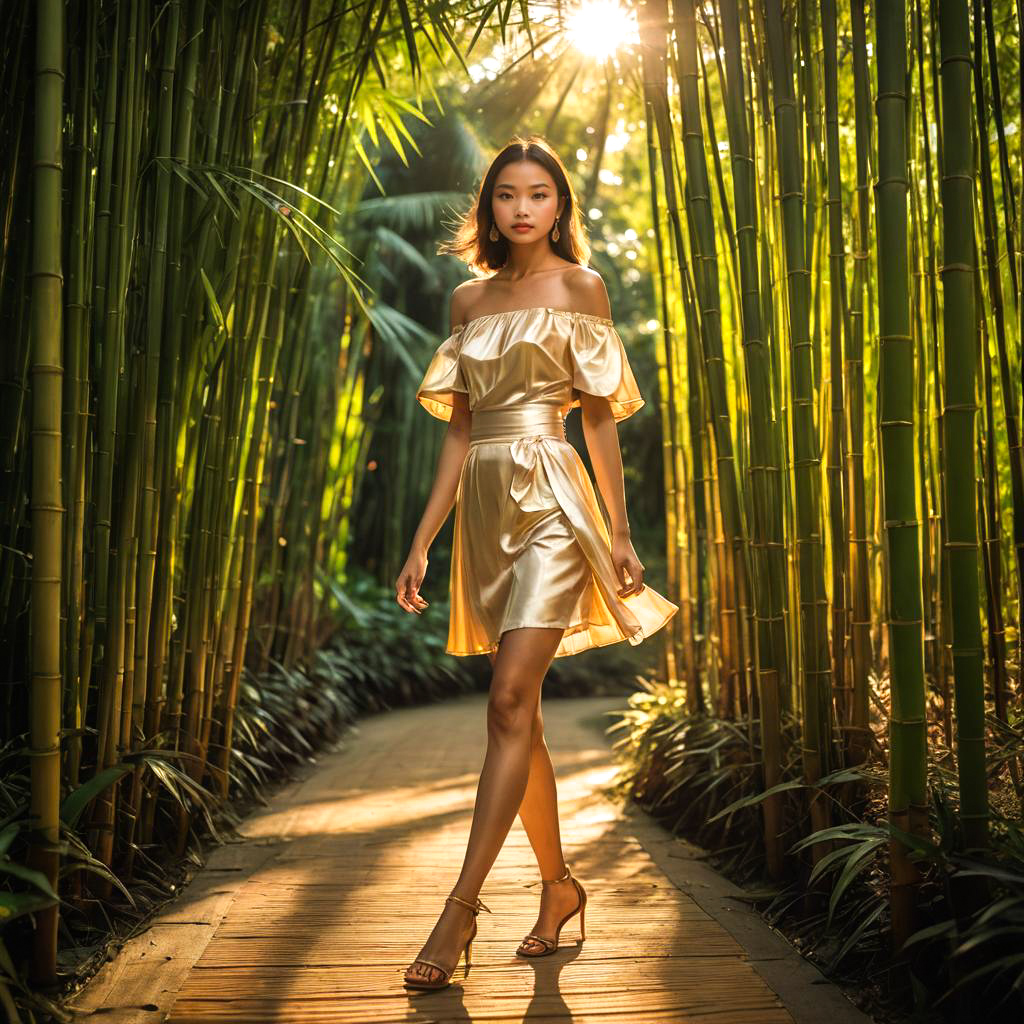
[443,376]
[600,365]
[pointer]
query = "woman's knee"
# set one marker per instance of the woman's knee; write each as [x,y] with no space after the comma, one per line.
[510,709]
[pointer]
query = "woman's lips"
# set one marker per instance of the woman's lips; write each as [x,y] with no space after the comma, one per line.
[522,227]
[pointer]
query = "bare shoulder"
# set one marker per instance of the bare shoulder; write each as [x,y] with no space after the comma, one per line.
[463,297]
[589,295]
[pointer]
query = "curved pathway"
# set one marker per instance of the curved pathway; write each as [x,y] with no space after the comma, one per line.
[317,909]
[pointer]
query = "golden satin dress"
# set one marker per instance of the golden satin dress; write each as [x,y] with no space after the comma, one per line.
[530,546]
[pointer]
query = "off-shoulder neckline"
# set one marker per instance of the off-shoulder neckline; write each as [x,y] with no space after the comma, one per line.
[534,309]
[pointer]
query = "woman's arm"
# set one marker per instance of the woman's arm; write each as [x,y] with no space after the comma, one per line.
[602,437]
[454,449]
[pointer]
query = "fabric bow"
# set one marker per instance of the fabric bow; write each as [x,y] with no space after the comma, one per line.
[530,488]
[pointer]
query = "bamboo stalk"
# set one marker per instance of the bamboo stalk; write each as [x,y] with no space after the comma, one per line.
[765,470]
[813,628]
[47,508]
[908,807]
[958,416]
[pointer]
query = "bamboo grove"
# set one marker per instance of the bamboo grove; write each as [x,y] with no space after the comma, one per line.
[836,198]
[205,331]
[184,419]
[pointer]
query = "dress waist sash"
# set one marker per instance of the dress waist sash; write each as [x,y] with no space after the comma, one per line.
[510,423]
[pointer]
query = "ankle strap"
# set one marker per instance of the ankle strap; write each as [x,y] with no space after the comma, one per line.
[475,907]
[551,881]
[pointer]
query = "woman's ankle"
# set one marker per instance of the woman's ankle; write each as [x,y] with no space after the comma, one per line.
[471,900]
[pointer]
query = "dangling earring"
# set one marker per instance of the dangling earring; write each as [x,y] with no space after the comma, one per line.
[554,234]
[493,233]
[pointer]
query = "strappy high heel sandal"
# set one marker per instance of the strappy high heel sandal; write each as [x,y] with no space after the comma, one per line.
[550,945]
[447,972]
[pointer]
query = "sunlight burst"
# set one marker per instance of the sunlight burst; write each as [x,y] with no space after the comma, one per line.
[598,27]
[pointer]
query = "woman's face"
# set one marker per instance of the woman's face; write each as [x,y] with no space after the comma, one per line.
[525,203]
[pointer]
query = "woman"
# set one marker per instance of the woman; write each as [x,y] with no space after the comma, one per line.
[534,574]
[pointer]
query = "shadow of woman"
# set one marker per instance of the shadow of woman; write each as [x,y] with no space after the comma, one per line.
[546,1000]
[430,1007]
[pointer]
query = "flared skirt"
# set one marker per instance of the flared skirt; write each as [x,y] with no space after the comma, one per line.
[531,548]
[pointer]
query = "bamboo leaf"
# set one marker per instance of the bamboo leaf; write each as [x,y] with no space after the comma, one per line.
[72,806]
[855,864]
[16,904]
[857,933]
[756,798]
[8,834]
[211,298]
[37,878]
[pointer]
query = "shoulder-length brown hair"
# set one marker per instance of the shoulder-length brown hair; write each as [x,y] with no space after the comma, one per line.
[471,242]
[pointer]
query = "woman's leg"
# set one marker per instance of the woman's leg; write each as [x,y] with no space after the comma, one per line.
[539,815]
[522,659]
[539,810]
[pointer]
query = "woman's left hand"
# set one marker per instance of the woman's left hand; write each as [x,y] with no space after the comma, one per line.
[627,564]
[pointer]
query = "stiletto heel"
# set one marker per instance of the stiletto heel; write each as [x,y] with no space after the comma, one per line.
[550,945]
[446,979]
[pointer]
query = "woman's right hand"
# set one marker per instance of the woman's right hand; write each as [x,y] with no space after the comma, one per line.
[409,581]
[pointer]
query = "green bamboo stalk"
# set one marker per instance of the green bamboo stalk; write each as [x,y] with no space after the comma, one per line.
[813,602]
[993,499]
[1008,197]
[991,505]
[860,571]
[765,471]
[786,630]
[940,613]
[148,495]
[958,417]
[1008,392]
[122,475]
[47,509]
[705,261]
[838,334]
[269,352]
[173,408]
[76,401]
[110,352]
[917,330]
[907,734]
[676,535]
[655,54]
